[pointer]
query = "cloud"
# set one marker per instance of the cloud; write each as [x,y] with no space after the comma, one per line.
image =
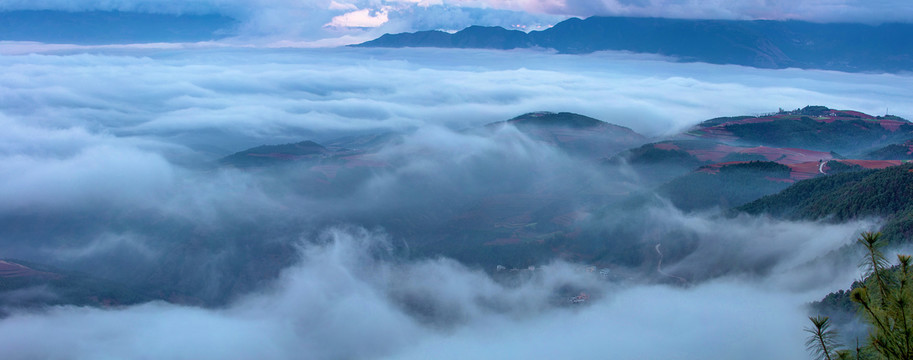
[343,300]
[365,18]
[246,98]
[342,6]
[106,165]
[98,174]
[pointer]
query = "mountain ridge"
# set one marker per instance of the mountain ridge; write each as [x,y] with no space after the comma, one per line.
[757,43]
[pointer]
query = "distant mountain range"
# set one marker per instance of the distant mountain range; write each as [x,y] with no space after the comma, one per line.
[759,43]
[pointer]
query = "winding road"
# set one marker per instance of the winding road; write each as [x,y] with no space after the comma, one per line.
[821,166]
[659,267]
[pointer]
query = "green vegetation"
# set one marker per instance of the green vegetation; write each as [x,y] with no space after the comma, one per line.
[814,110]
[566,119]
[56,287]
[733,185]
[892,152]
[884,300]
[721,120]
[885,193]
[805,132]
[272,154]
[804,128]
[837,167]
[823,341]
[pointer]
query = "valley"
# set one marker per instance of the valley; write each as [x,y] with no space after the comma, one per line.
[522,215]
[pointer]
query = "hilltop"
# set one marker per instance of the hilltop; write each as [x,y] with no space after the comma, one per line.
[272,154]
[729,161]
[812,127]
[575,133]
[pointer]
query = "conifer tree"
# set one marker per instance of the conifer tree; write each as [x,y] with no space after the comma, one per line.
[886,302]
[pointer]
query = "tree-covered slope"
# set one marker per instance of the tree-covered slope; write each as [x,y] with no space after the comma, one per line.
[886,193]
[726,186]
[902,151]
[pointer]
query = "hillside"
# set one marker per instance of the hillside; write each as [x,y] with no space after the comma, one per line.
[274,154]
[726,185]
[503,219]
[668,159]
[501,216]
[577,134]
[760,43]
[731,184]
[813,127]
[729,161]
[885,193]
[474,37]
[903,151]
[23,285]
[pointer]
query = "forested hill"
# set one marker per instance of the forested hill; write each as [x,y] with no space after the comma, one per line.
[764,44]
[885,193]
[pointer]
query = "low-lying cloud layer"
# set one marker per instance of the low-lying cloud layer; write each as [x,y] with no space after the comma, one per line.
[239,98]
[107,166]
[342,302]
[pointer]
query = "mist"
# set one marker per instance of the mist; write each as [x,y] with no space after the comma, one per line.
[109,167]
[232,99]
[317,309]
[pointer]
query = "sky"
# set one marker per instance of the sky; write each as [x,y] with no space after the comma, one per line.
[335,22]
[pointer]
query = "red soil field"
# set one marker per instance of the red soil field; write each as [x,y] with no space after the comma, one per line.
[802,171]
[780,155]
[891,125]
[719,130]
[13,270]
[851,113]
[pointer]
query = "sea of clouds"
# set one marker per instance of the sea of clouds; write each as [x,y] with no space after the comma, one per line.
[93,141]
